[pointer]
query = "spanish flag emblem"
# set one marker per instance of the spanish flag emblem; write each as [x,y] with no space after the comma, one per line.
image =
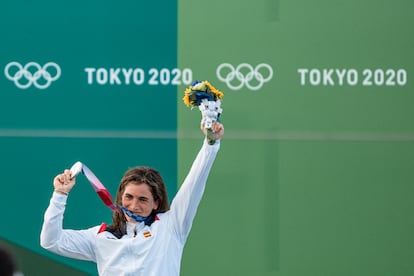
[147,234]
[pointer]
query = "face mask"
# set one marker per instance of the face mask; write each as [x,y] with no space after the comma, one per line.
[147,220]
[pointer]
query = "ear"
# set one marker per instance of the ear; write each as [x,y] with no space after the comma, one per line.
[157,203]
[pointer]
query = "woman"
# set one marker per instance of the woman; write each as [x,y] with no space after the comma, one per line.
[146,236]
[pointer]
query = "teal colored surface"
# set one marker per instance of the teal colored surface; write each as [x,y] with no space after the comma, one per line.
[108,126]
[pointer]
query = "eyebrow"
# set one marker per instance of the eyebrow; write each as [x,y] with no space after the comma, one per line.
[139,197]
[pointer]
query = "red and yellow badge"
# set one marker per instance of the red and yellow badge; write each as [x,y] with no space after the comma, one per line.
[147,234]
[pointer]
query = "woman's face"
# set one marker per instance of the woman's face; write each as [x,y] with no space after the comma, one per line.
[137,197]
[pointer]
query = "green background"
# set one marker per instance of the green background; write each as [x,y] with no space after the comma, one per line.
[310,179]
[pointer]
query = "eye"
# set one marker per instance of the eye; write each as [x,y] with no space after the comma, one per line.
[128,196]
[143,199]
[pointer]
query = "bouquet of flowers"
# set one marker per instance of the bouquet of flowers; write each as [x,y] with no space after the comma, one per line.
[208,100]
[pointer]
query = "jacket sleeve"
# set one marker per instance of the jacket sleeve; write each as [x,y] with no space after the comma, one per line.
[78,244]
[185,203]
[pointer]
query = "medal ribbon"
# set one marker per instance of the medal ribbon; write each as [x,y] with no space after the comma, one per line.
[102,192]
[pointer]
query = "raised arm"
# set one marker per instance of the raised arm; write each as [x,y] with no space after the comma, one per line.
[70,243]
[185,203]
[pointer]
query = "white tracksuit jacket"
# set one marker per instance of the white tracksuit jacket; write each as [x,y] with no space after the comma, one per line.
[155,250]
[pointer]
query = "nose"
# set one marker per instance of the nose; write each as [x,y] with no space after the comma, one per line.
[135,205]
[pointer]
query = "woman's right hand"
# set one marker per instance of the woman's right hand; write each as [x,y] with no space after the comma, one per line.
[63,183]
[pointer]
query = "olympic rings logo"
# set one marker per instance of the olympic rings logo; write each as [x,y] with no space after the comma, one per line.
[244,75]
[32,74]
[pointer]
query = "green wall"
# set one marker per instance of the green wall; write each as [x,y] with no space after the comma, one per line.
[314,176]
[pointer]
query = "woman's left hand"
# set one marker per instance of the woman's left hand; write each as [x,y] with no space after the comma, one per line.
[217,128]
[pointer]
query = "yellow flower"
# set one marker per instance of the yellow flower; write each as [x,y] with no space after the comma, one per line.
[186,98]
[190,93]
[218,93]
